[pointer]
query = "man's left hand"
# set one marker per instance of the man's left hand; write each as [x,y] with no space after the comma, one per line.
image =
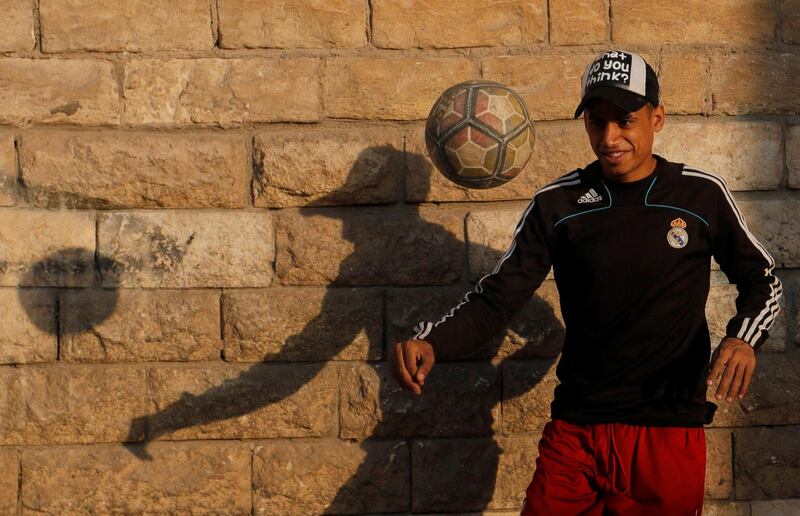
[738,358]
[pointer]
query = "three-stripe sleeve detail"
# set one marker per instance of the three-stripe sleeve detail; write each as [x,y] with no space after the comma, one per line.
[751,328]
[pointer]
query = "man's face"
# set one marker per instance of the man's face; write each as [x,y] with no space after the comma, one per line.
[623,142]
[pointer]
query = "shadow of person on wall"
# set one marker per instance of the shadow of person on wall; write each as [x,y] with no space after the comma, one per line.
[376,256]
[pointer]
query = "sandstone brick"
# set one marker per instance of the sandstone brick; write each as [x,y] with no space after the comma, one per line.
[725,508]
[139,325]
[292,24]
[46,248]
[327,167]
[514,470]
[16,34]
[790,21]
[233,402]
[181,478]
[775,508]
[683,81]
[457,400]
[222,91]
[138,26]
[793,155]
[559,148]
[330,476]
[773,223]
[719,469]
[582,22]
[186,248]
[9,480]
[369,246]
[767,462]
[693,21]
[536,331]
[472,23]
[76,91]
[751,82]
[27,326]
[721,307]
[8,170]
[749,155]
[528,387]
[303,323]
[771,398]
[471,474]
[550,85]
[134,170]
[59,405]
[393,89]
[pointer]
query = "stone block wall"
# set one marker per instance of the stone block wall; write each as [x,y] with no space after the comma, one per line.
[216,215]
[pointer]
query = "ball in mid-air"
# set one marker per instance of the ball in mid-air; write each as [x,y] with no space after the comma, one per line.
[479,134]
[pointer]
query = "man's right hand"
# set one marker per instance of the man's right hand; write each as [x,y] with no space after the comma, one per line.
[411,361]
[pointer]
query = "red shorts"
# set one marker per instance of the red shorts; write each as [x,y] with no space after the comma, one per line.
[617,468]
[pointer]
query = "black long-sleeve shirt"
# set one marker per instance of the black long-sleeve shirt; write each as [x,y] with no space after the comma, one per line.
[632,264]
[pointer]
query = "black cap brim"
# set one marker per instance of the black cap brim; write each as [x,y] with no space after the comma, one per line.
[626,100]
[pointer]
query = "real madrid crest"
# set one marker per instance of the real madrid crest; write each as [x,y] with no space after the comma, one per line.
[677,236]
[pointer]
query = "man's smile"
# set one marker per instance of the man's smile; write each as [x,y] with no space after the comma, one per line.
[615,156]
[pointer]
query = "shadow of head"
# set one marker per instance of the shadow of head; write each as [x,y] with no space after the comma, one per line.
[74,268]
[375,170]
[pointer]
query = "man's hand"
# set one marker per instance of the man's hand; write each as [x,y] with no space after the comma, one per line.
[739,360]
[411,361]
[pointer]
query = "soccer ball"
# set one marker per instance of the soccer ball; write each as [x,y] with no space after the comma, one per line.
[479,134]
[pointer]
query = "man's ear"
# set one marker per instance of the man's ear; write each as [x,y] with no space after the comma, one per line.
[657,117]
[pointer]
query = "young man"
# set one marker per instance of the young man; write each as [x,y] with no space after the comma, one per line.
[630,238]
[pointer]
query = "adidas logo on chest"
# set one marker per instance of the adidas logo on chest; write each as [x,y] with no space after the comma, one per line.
[589,197]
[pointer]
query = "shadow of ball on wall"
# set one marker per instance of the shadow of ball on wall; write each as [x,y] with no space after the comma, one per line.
[71,269]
